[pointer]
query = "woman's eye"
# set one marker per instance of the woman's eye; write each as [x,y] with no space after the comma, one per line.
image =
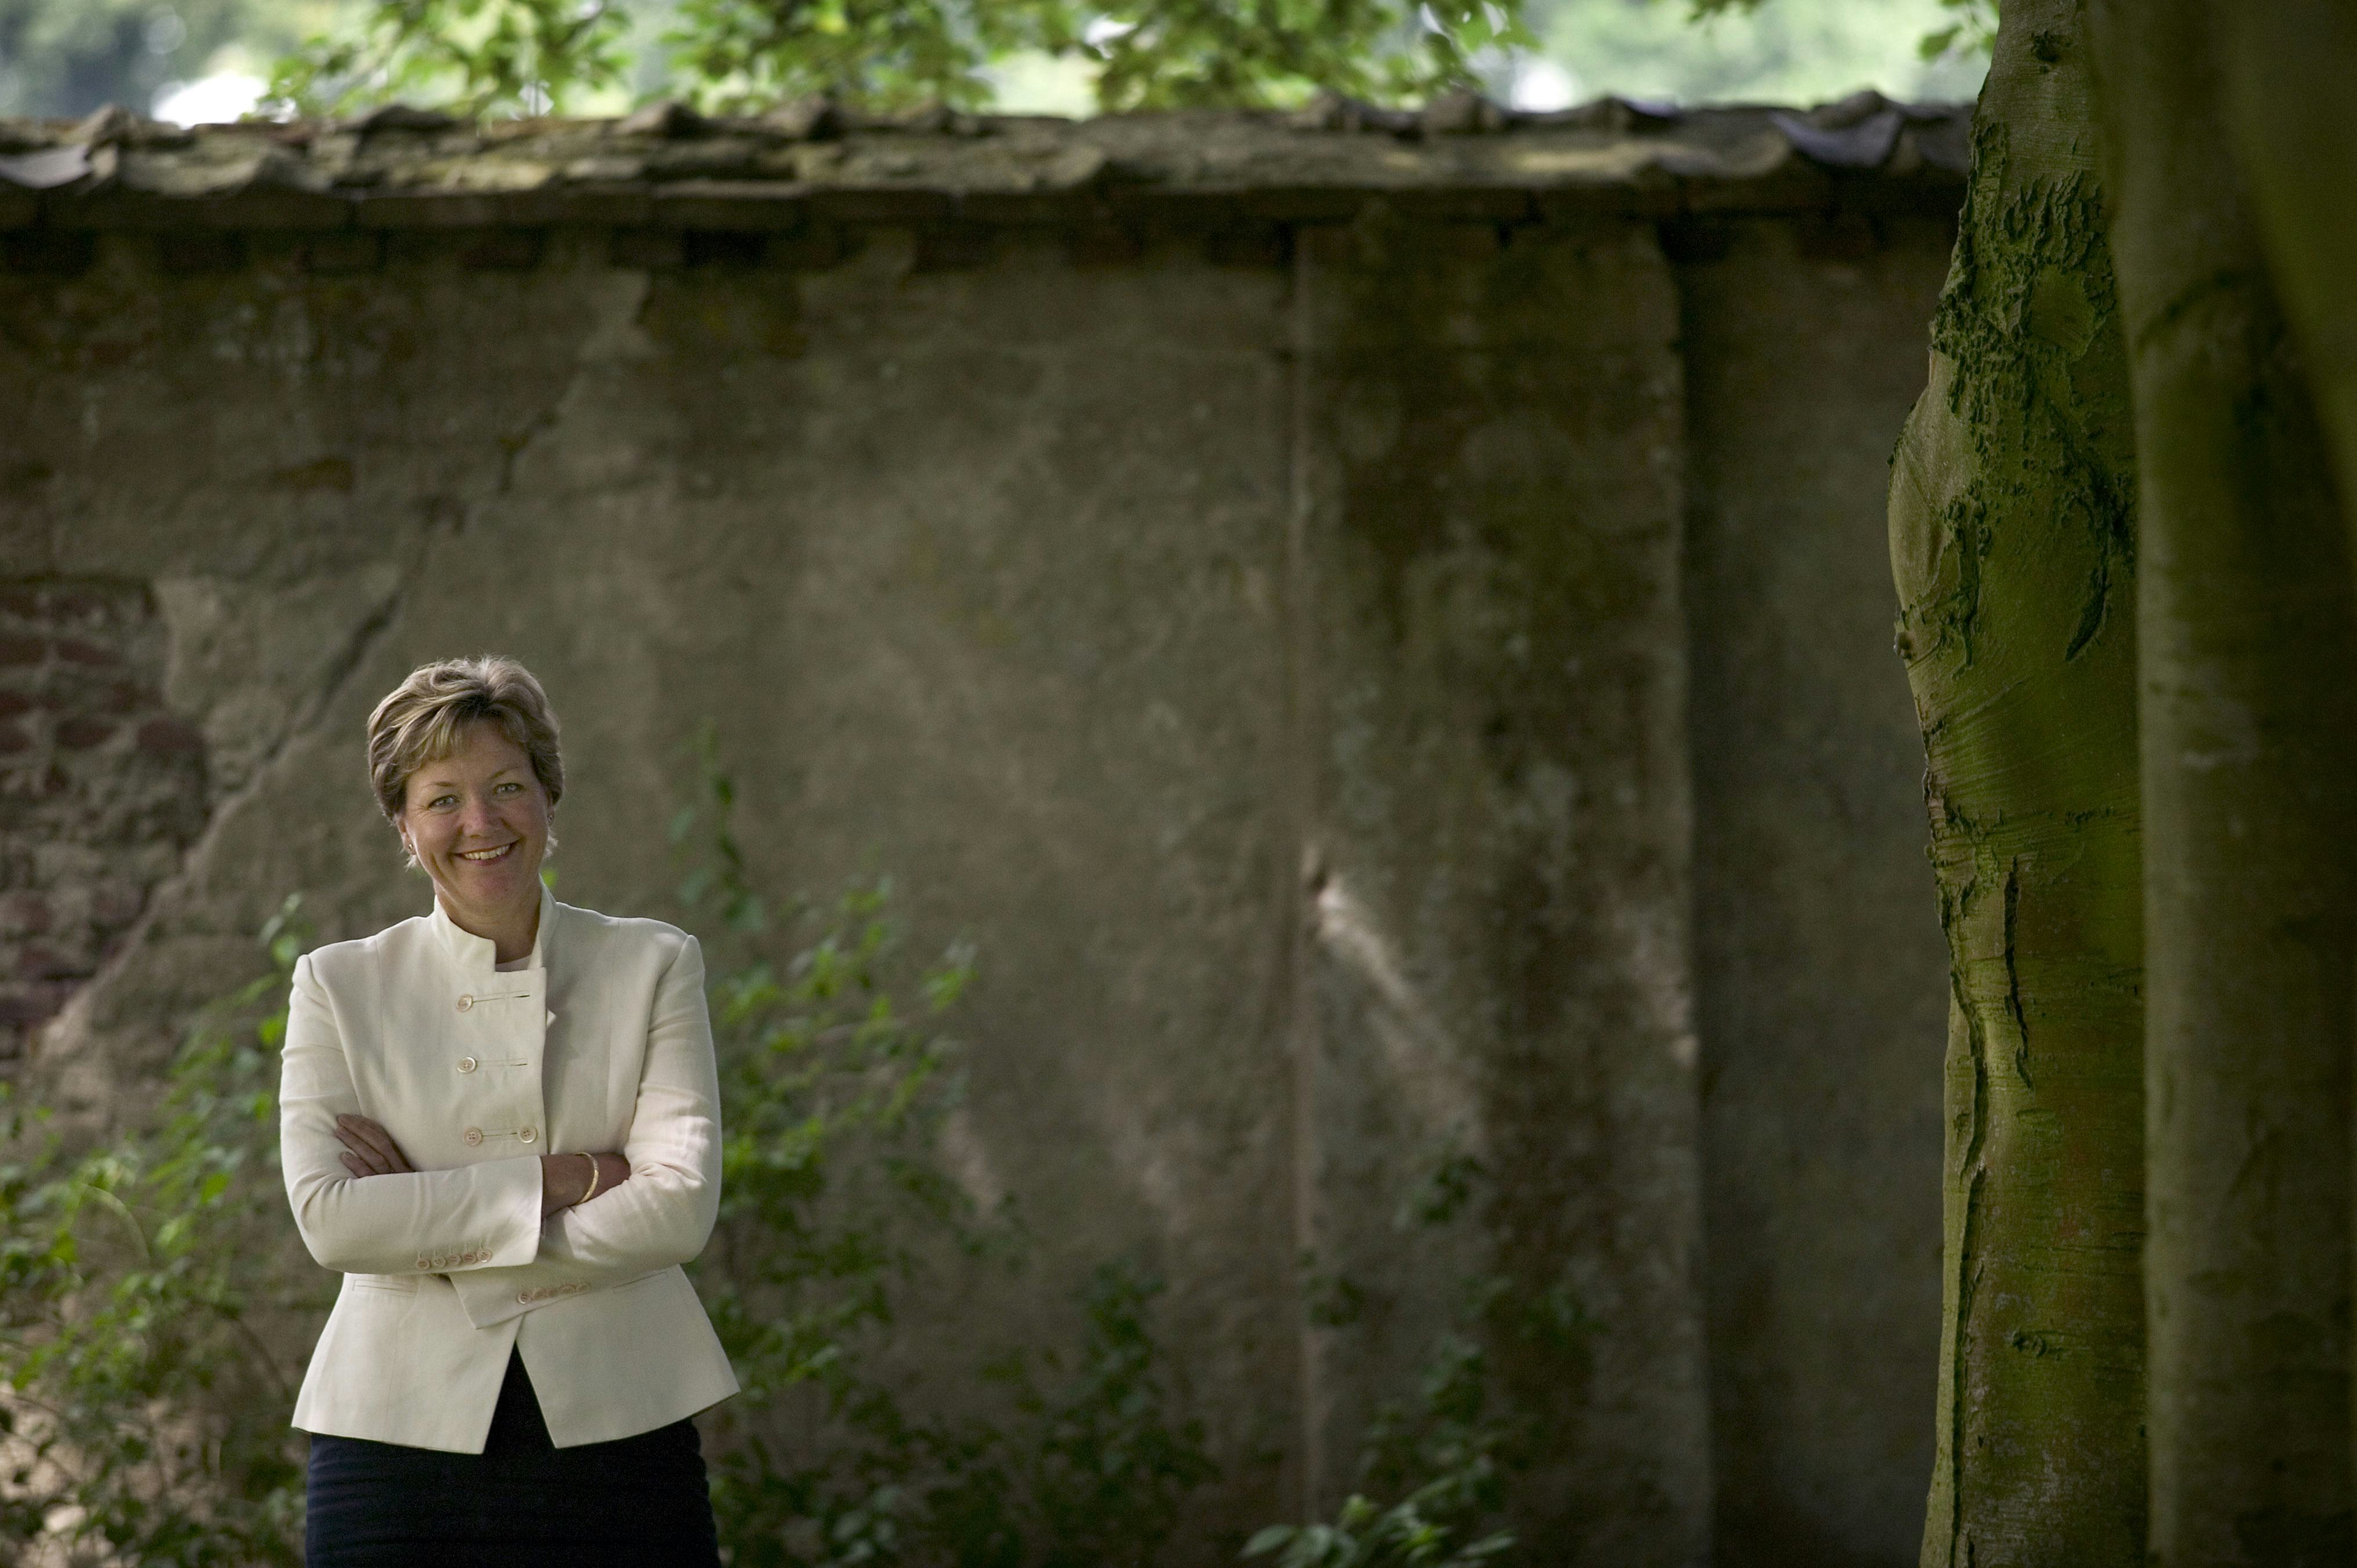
[439,802]
[510,785]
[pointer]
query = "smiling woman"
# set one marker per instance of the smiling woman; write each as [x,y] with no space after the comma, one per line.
[499,1122]
[465,759]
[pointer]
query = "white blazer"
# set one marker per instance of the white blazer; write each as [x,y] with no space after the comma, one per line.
[602,1041]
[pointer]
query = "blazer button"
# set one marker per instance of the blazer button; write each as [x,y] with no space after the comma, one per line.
[466,1064]
[466,1002]
[526,1134]
[473,1136]
[525,1297]
[424,1263]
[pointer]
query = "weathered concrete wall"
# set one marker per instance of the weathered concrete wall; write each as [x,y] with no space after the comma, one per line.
[1498,838]
[978,571]
[1820,971]
[1256,621]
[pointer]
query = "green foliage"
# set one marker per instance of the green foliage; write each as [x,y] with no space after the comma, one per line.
[738,54]
[1103,1465]
[505,56]
[1083,1468]
[1973,32]
[528,56]
[151,1283]
[142,1290]
[1443,1457]
[831,1101]
[475,56]
[1155,54]
[834,1208]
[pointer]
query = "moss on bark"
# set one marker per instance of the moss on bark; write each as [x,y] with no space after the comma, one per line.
[2013,546]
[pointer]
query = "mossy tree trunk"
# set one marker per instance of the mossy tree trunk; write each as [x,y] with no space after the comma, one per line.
[2249,726]
[2013,543]
[2022,529]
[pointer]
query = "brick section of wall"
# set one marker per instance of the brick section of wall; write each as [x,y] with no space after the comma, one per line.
[102,786]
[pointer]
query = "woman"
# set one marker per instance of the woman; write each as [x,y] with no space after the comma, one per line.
[500,1122]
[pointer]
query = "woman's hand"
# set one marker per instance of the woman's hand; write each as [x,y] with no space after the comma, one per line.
[564,1179]
[369,1148]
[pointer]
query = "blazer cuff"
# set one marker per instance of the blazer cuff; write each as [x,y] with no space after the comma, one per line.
[492,1298]
[508,1202]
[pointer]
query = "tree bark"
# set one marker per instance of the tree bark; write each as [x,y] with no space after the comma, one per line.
[2249,752]
[2286,68]
[2013,544]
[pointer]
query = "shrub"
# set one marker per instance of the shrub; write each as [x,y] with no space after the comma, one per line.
[144,1290]
[154,1301]
[833,1096]
[1441,1458]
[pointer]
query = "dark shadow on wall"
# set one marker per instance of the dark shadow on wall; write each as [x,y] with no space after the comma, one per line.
[1821,972]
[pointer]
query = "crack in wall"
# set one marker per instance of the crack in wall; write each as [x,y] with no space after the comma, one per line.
[64,1044]
[65,1039]
[1306,877]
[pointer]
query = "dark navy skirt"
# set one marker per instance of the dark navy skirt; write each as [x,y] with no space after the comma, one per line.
[522,1503]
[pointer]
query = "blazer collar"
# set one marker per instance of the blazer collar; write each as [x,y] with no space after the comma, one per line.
[480,954]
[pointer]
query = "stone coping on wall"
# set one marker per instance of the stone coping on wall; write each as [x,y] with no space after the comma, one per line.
[668,167]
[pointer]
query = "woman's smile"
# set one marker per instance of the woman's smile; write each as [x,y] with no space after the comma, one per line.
[456,808]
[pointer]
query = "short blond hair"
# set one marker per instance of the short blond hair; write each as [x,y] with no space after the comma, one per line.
[419,721]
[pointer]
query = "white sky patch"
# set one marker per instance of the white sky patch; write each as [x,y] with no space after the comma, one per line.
[1033,82]
[1542,87]
[209,100]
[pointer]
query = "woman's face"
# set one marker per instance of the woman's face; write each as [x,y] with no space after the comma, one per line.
[477,822]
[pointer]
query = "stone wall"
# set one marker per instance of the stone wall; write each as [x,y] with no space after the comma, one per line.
[1375,633]
[102,786]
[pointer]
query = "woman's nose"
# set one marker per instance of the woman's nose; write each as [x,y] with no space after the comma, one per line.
[476,818]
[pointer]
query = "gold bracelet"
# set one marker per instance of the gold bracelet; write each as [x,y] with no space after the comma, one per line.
[593,1180]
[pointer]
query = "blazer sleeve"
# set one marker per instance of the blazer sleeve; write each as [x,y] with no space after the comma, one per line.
[661,1217]
[422,1222]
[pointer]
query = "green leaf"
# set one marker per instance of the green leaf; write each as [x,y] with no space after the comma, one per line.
[1269,1539]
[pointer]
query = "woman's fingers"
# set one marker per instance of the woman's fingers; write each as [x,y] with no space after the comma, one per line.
[360,1158]
[372,1143]
[380,1141]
